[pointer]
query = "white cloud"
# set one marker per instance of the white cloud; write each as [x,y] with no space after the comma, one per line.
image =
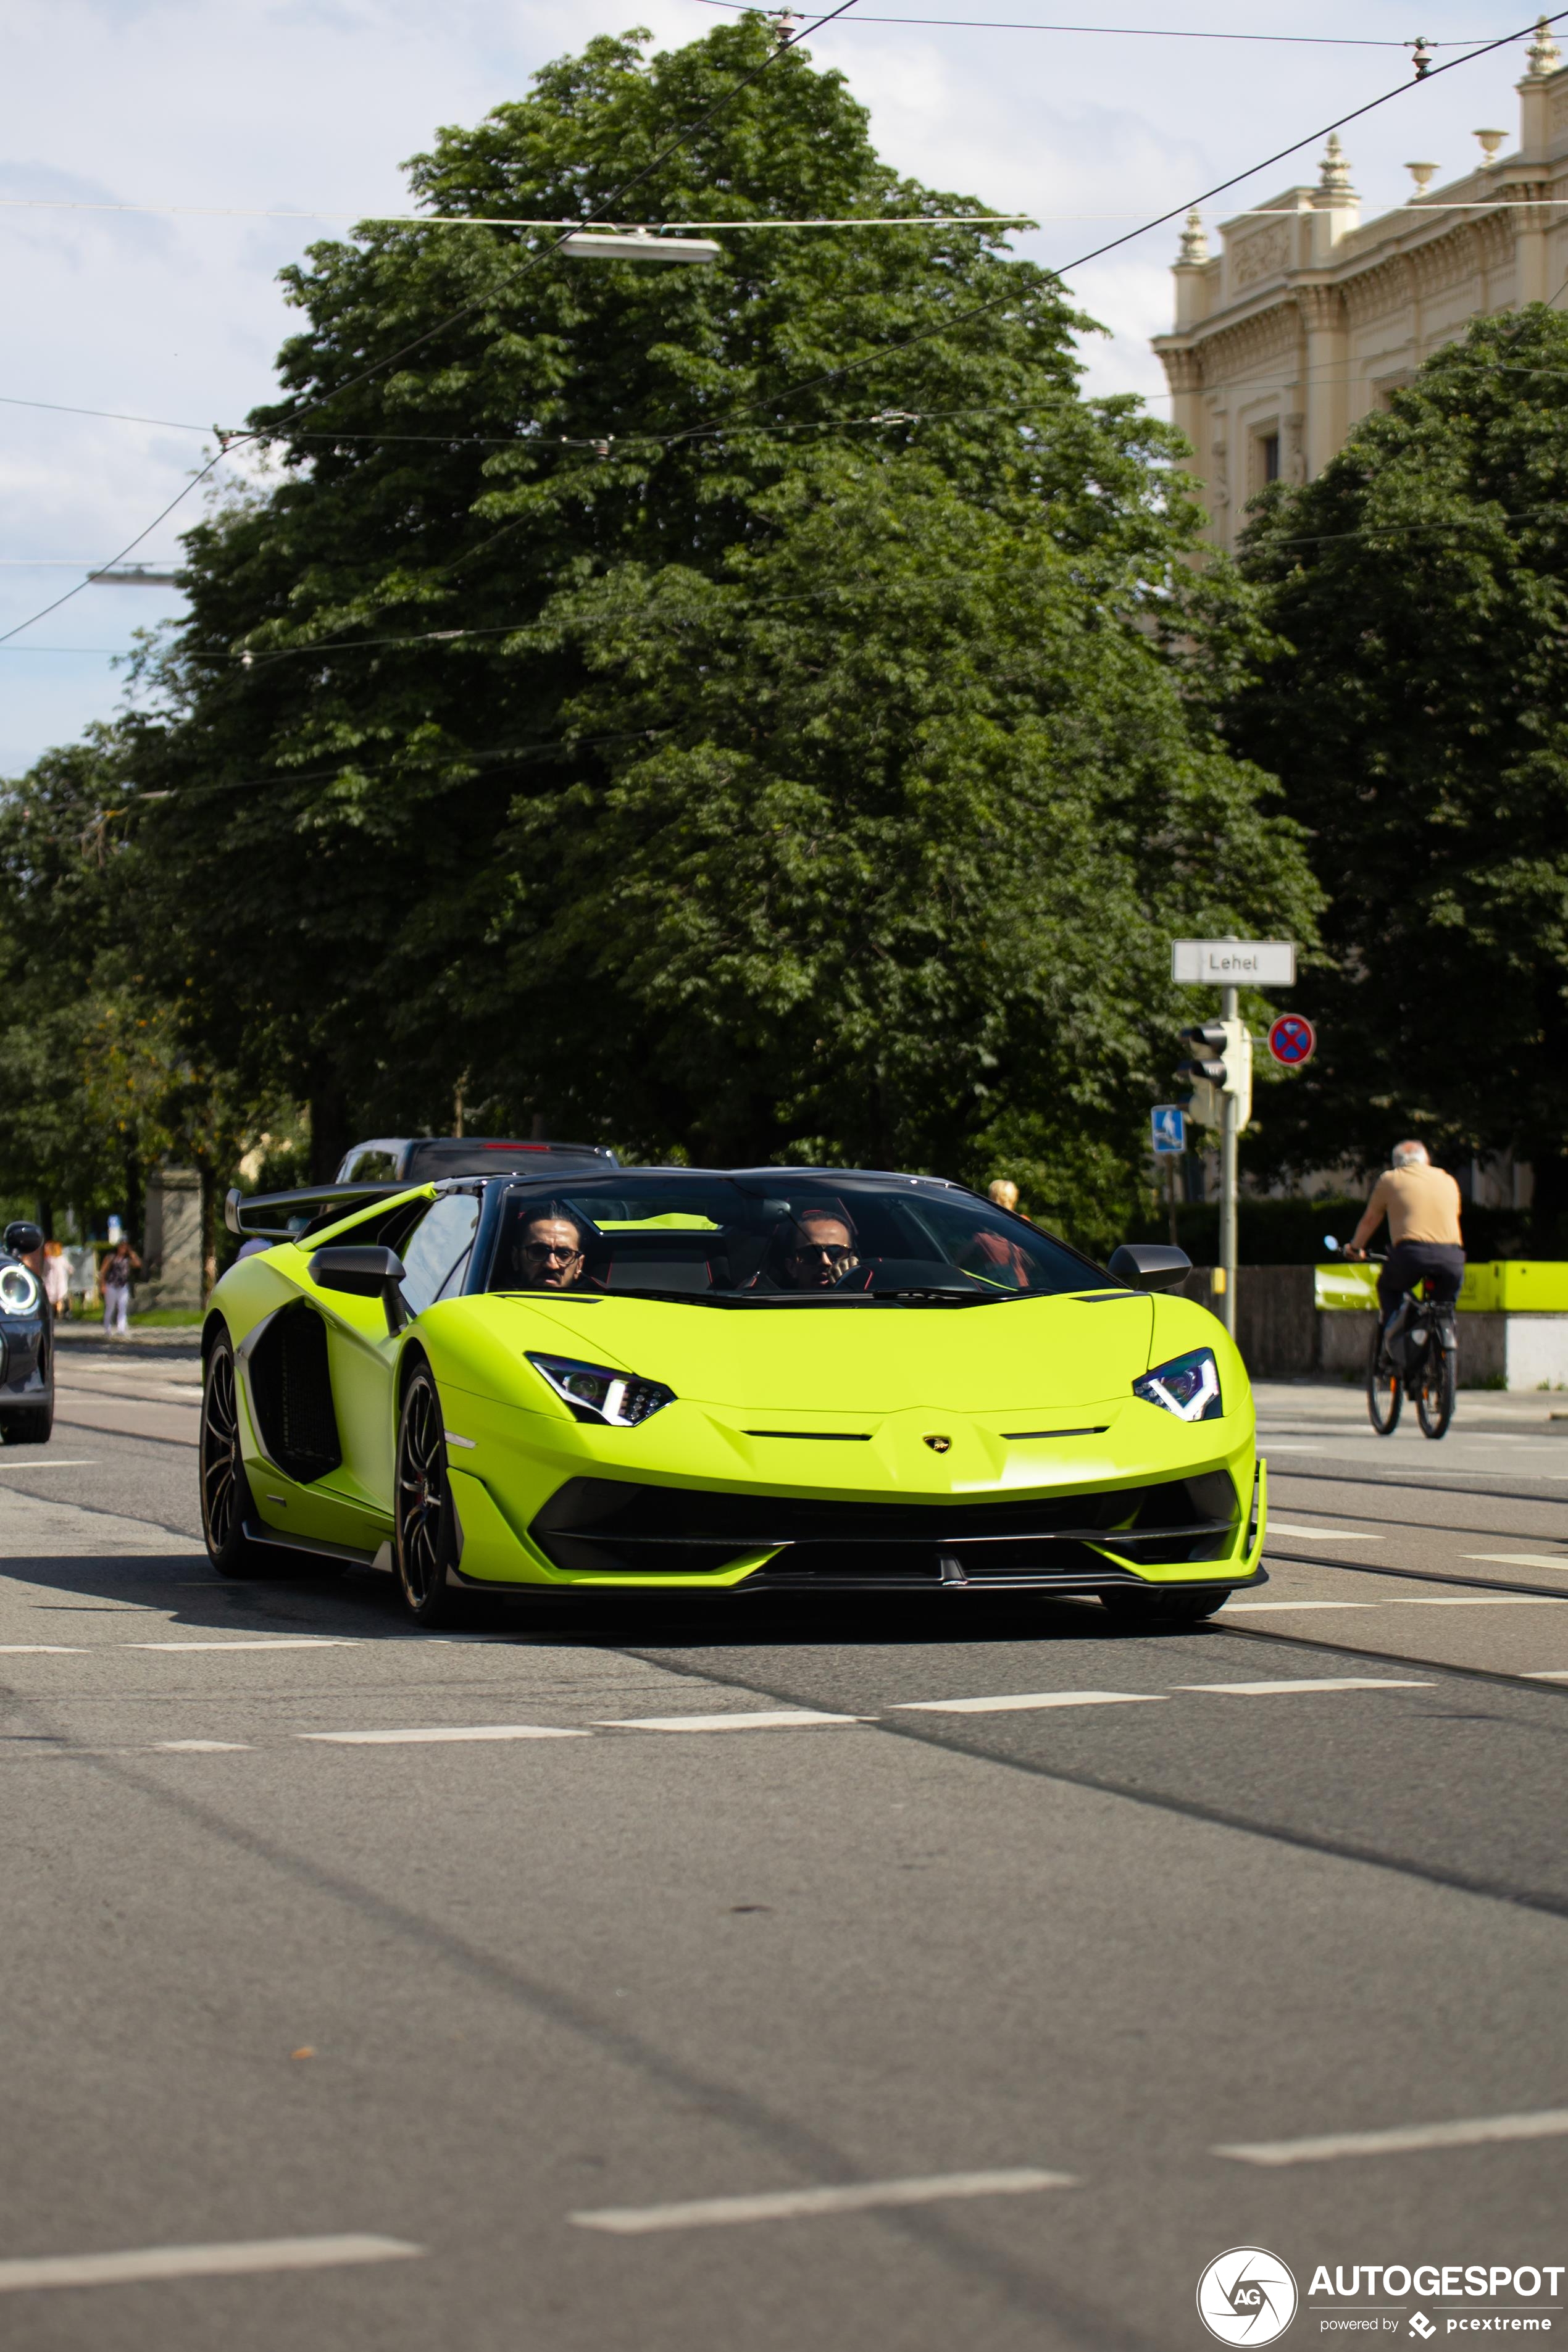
[316,103]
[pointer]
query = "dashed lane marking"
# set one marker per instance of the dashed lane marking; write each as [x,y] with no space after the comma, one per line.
[1235,1607]
[789,1719]
[798,2204]
[432,1734]
[257,1642]
[1322,1535]
[1520,1558]
[1488,1600]
[205,1747]
[1022,1699]
[1547,2123]
[44,1649]
[53,1462]
[31,2272]
[1334,1683]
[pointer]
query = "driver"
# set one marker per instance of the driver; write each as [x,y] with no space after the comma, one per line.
[549,1250]
[821,1253]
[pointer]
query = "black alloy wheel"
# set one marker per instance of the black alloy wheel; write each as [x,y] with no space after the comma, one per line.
[1384,1389]
[1159,1613]
[425,1543]
[226,1490]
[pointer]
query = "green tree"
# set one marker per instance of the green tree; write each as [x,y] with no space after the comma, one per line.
[1415,703]
[341,764]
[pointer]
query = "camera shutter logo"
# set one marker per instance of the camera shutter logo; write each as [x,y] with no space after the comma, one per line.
[1246,2296]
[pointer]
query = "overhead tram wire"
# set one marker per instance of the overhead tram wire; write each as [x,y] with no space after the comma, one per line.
[607,209]
[865,358]
[1112,245]
[1130,32]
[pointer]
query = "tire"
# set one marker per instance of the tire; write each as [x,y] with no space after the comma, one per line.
[31,1426]
[1161,1613]
[1384,1389]
[1435,1398]
[425,1537]
[226,1490]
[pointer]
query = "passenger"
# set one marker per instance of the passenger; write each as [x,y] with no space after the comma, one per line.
[821,1251]
[550,1252]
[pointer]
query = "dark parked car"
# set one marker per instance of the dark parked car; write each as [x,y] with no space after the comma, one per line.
[418,1158]
[26,1356]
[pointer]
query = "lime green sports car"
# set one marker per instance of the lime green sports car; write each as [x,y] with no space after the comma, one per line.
[586,1380]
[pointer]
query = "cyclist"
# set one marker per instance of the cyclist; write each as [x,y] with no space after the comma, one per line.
[1422,1205]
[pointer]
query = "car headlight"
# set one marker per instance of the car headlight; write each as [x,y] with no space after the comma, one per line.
[19,1291]
[615,1399]
[1187,1386]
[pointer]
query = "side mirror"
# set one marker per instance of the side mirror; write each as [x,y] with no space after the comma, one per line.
[1150,1265]
[364,1273]
[1331,1245]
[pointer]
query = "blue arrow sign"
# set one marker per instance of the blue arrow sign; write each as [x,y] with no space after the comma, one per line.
[1168,1126]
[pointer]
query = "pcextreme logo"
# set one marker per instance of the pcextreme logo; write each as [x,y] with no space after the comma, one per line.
[1246,2296]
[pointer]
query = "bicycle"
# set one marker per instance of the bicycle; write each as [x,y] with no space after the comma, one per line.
[1414,1353]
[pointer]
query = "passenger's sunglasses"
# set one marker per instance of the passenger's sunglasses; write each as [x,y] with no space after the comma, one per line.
[832,1253]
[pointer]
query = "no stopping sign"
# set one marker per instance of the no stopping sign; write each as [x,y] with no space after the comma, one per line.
[1292,1041]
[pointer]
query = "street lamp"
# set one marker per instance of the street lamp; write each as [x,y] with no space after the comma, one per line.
[636,245]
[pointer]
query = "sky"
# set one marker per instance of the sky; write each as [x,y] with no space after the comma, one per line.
[173,317]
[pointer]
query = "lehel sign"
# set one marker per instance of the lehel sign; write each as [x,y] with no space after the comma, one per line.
[1234,963]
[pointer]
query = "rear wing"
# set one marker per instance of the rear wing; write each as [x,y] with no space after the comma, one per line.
[300,1209]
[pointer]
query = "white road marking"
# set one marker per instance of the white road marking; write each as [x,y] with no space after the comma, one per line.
[1520,1558]
[1549,2123]
[49,1649]
[1337,1682]
[794,2204]
[53,1462]
[1548,1674]
[1024,1699]
[259,1641]
[1490,1600]
[439,1732]
[198,2261]
[1322,1535]
[777,1720]
[205,1747]
[1234,1608]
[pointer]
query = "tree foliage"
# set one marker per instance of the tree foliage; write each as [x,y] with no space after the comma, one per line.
[720,710]
[1414,702]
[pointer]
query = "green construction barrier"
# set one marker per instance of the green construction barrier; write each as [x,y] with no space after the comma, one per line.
[1509,1286]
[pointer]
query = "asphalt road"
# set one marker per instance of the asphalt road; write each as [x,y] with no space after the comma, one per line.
[406,2041]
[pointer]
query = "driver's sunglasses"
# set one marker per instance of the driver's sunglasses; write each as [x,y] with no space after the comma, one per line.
[548,1249]
[833,1253]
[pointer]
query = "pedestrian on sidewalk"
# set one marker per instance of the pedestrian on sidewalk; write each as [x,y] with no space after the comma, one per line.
[114,1280]
[57,1278]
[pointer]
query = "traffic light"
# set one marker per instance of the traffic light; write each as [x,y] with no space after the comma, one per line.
[1221,1065]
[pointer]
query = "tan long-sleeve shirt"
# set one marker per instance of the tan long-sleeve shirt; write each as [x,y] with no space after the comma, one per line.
[1422,1205]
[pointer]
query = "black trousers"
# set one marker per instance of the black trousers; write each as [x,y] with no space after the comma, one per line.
[1442,1261]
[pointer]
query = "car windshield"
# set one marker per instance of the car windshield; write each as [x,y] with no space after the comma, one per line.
[773,1238]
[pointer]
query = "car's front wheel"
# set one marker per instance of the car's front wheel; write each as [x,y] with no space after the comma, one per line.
[1161,1613]
[424,1544]
[226,1490]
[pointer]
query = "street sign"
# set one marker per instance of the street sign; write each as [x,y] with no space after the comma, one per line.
[1168,1125]
[1292,1040]
[1234,963]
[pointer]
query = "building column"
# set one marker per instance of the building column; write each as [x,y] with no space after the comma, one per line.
[1325,387]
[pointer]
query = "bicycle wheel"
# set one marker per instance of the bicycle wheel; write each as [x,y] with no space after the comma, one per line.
[1435,1397]
[1384,1390]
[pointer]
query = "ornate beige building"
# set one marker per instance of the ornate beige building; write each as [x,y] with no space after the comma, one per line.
[1307,320]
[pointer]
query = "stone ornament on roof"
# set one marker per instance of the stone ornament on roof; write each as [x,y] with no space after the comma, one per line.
[1194,248]
[1334,178]
[1543,53]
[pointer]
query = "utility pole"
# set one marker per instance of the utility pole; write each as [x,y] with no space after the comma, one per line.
[1230,1129]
